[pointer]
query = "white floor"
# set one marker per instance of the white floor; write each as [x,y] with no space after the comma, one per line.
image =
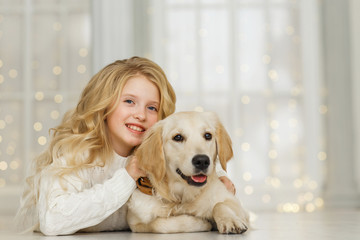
[322,225]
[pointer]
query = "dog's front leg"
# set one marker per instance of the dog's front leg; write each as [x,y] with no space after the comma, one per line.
[173,224]
[230,217]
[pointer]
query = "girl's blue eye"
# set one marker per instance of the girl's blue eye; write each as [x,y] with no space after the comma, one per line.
[128,101]
[153,109]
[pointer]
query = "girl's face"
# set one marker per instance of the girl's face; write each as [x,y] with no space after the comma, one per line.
[136,112]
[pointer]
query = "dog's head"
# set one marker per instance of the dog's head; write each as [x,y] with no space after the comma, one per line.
[184,147]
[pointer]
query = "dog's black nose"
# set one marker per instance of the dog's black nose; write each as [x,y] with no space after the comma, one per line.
[201,162]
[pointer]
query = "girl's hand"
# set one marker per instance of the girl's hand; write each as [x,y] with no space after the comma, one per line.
[133,169]
[228,184]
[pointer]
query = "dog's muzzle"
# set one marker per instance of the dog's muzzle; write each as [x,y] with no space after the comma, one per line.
[201,164]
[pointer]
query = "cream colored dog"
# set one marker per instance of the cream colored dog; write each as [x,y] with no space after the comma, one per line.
[179,154]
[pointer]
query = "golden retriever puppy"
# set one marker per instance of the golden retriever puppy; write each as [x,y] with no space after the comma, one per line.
[179,155]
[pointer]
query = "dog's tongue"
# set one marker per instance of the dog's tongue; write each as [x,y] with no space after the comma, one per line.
[199,178]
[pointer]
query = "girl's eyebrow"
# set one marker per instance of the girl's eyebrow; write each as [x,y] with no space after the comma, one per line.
[134,96]
[154,102]
[128,95]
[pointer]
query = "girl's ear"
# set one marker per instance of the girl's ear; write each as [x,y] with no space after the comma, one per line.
[224,144]
[150,153]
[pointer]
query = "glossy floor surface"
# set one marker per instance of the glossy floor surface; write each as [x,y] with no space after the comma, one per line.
[322,225]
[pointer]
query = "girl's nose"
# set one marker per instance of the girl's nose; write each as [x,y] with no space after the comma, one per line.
[139,114]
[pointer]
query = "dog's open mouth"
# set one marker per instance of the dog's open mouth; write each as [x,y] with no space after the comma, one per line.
[194,180]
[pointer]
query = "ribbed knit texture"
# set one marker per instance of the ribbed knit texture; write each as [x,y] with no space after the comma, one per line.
[88,199]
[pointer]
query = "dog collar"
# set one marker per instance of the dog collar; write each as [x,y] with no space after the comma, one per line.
[145,185]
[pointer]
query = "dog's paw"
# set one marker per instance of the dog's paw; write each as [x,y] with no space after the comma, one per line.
[231,225]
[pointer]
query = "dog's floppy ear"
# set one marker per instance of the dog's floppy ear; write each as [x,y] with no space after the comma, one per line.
[224,144]
[150,153]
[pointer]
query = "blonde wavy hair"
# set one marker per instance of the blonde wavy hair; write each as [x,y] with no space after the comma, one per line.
[81,139]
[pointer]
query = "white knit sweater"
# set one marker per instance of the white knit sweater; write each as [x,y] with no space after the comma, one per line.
[93,198]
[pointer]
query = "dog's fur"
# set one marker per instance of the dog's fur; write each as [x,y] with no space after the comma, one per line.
[177,153]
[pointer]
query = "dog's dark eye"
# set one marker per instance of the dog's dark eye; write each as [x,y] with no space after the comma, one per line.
[178,138]
[208,136]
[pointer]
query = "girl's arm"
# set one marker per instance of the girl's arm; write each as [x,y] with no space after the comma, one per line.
[219,170]
[224,178]
[66,206]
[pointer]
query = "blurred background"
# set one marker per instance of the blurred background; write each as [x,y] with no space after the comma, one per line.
[283,75]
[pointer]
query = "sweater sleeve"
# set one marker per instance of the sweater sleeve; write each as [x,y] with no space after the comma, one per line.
[66,206]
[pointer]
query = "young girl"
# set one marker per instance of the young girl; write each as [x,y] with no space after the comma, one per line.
[85,177]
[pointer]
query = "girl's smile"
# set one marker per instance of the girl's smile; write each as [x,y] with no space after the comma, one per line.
[135,128]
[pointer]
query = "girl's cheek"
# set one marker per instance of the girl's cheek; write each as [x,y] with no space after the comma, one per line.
[153,121]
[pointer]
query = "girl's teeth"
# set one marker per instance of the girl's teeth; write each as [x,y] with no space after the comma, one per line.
[135,128]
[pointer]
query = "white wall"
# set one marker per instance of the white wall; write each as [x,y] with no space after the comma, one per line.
[341,187]
[355,46]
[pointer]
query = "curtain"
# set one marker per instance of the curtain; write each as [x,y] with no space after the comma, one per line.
[45,61]
[256,64]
